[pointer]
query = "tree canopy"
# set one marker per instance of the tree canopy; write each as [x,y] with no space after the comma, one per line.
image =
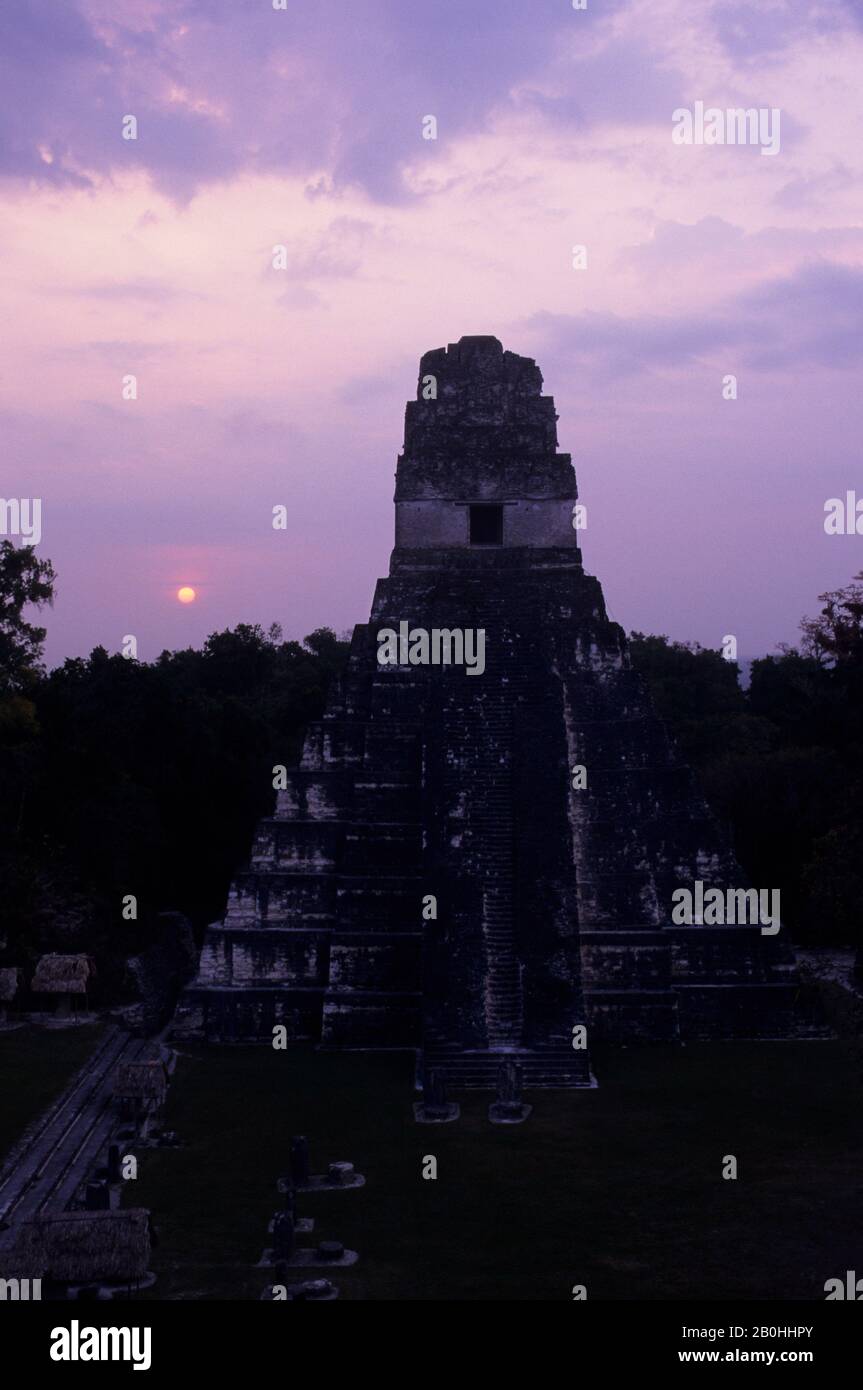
[124,777]
[24,580]
[147,779]
[782,761]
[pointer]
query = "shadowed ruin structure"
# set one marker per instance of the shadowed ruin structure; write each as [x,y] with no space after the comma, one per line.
[77,1247]
[10,983]
[140,1089]
[63,976]
[552,900]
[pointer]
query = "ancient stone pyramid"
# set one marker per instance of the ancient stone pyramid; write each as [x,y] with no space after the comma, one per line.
[553,903]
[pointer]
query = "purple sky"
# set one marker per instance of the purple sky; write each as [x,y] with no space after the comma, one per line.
[259,387]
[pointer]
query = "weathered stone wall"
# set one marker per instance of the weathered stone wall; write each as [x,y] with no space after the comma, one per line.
[433,523]
[553,902]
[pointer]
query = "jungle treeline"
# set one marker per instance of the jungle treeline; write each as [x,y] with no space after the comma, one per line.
[123,778]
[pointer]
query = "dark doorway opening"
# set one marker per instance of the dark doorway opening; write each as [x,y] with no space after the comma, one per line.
[486,525]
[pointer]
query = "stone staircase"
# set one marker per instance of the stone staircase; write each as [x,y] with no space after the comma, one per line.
[551,1069]
[495,827]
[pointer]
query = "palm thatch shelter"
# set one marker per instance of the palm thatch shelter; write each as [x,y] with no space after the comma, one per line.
[64,976]
[10,983]
[81,1247]
[141,1088]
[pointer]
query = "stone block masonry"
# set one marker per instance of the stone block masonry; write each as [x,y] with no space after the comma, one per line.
[553,904]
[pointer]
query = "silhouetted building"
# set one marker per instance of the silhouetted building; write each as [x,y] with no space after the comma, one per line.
[448,766]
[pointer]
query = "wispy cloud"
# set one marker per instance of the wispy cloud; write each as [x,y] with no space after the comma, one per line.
[260,386]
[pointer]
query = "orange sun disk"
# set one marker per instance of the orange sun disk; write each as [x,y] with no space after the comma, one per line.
[186,594]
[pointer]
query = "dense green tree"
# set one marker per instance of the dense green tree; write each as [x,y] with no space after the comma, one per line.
[24,580]
[832,879]
[781,763]
[836,635]
[698,692]
[147,779]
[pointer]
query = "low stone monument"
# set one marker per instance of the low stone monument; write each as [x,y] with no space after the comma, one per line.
[10,983]
[302,1224]
[434,1108]
[114,1173]
[299,1160]
[321,1290]
[97,1197]
[339,1175]
[280,1291]
[284,1255]
[283,1236]
[509,1109]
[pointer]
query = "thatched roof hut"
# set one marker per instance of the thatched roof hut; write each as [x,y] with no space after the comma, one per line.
[81,1247]
[63,974]
[10,981]
[141,1081]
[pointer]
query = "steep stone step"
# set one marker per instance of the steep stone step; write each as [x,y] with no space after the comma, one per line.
[480,1070]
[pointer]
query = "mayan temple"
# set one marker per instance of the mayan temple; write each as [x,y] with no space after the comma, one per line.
[432,878]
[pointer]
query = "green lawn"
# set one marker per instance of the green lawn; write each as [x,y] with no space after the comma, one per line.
[35,1065]
[619,1188]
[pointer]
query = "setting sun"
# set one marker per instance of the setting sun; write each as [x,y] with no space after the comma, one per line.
[186,594]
